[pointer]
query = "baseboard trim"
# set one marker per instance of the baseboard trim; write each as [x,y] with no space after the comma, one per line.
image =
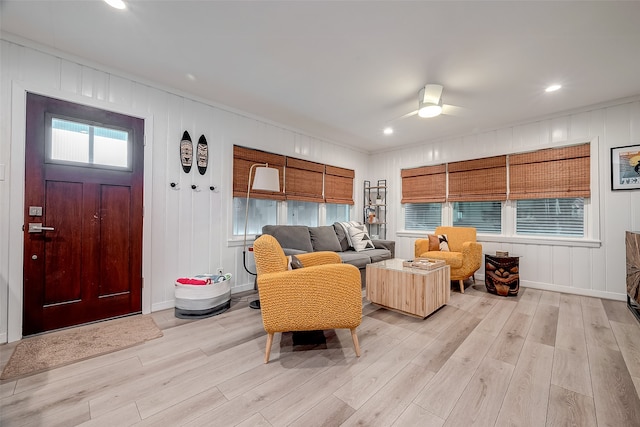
[163,305]
[574,291]
[242,288]
[567,289]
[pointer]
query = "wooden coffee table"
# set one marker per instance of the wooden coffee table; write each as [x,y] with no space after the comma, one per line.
[408,290]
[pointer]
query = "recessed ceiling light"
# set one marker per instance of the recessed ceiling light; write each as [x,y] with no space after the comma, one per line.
[553,88]
[118,4]
[388,131]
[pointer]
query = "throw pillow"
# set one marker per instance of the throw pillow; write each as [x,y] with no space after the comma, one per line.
[434,243]
[360,238]
[324,239]
[444,242]
[342,236]
[346,225]
[294,262]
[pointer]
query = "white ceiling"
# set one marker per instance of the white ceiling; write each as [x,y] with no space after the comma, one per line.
[343,70]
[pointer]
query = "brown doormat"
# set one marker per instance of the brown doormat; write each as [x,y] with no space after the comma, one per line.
[55,349]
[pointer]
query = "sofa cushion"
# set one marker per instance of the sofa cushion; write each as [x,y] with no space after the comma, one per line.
[342,236]
[324,239]
[359,259]
[377,255]
[360,239]
[290,236]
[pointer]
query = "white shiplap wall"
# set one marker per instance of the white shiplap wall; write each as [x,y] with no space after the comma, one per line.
[185,231]
[597,269]
[189,231]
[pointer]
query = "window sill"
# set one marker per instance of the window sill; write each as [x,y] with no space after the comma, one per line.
[235,242]
[520,240]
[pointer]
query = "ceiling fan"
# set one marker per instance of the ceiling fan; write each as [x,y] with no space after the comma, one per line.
[430,103]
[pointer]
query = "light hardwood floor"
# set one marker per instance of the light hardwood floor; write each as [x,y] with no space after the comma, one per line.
[539,359]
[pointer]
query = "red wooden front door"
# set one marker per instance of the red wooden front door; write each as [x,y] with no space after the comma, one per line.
[83,203]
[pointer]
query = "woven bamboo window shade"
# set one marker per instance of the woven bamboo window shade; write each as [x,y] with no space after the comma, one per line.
[478,180]
[551,173]
[426,184]
[338,185]
[243,158]
[303,180]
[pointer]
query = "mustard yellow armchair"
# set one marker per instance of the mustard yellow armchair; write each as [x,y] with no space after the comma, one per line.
[324,294]
[464,256]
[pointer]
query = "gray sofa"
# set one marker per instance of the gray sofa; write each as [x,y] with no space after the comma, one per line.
[297,239]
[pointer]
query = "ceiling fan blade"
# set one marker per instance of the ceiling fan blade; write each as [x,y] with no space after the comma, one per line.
[413,113]
[453,110]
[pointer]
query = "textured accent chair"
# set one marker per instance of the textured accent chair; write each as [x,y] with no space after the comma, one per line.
[464,256]
[324,294]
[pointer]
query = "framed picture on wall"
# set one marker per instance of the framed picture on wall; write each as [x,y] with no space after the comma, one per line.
[625,168]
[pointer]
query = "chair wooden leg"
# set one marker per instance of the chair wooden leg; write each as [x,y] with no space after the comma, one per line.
[268,350]
[462,286]
[473,276]
[356,345]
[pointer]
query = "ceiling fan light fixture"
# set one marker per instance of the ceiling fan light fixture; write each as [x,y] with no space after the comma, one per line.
[430,101]
[116,4]
[428,110]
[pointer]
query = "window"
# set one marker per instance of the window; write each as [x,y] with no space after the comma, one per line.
[302,213]
[426,184]
[549,187]
[304,186]
[555,217]
[336,213]
[477,189]
[484,216]
[338,185]
[78,142]
[303,180]
[422,216]
[261,212]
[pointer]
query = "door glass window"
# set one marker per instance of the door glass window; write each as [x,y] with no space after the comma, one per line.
[78,142]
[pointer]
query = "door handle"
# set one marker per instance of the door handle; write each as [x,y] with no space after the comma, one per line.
[37,227]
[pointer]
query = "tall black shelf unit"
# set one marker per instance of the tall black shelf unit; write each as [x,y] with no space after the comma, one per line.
[375,208]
